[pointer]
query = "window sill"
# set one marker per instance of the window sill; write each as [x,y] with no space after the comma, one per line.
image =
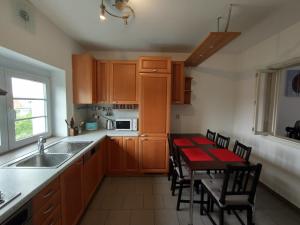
[284,140]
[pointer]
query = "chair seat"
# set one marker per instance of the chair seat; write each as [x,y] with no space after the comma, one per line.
[187,176]
[214,186]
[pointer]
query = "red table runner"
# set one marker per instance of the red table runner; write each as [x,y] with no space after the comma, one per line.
[203,141]
[183,142]
[226,155]
[196,154]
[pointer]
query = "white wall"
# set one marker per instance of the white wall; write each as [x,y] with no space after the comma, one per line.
[280,159]
[42,41]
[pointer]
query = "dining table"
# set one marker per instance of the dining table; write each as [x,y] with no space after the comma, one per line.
[202,154]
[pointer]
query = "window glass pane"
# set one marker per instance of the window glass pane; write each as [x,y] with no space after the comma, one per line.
[28,128]
[22,88]
[29,108]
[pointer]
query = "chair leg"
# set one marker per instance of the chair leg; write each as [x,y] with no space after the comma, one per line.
[249,216]
[221,217]
[179,196]
[173,186]
[170,170]
[201,201]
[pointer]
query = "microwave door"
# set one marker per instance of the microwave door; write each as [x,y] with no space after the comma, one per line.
[123,125]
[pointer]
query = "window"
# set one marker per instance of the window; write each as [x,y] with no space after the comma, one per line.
[26,109]
[278,103]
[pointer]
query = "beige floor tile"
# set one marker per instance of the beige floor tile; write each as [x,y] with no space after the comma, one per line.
[144,188]
[118,217]
[153,202]
[166,217]
[94,217]
[113,202]
[142,217]
[161,188]
[133,202]
[170,201]
[127,188]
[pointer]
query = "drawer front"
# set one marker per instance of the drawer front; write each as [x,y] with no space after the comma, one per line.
[45,195]
[54,218]
[43,213]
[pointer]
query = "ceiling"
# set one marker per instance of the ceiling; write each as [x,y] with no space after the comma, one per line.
[159,25]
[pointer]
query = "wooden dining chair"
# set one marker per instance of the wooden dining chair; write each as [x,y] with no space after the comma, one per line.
[242,150]
[171,156]
[222,141]
[210,135]
[236,192]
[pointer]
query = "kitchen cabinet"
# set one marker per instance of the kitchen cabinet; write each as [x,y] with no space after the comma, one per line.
[178,82]
[102,81]
[46,204]
[153,154]
[72,193]
[123,82]
[101,160]
[155,103]
[84,79]
[115,154]
[154,65]
[91,173]
[131,154]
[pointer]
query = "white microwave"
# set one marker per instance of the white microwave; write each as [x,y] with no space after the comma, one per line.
[126,124]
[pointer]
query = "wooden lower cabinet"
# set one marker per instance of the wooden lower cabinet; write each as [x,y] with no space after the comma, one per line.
[153,154]
[72,193]
[131,154]
[115,154]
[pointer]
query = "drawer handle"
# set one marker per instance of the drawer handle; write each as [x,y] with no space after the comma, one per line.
[143,135]
[49,210]
[50,193]
[154,70]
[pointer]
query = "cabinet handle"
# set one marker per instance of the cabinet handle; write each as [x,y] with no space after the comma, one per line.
[50,193]
[48,210]
[143,135]
[154,70]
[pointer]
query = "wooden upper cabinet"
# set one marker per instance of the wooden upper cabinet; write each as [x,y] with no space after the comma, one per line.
[102,81]
[131,154]
[154,65]
[115,154]
[84,79]
[123,82]
[178,81]
[155,100]
[153,154]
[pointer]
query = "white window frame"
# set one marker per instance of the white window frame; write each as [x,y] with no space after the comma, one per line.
[12,143]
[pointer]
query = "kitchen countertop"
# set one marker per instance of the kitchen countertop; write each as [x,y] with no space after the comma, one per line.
[30,181]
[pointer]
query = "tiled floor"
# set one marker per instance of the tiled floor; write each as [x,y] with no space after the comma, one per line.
[148,201]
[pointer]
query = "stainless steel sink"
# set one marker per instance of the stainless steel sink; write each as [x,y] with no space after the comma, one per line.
[67,147]
[44,160]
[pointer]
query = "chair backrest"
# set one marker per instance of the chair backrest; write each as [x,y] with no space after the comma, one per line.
[170,142]
[222,141]
[240,180]
[177,159]
[242,150]
[297,124]
[210,135]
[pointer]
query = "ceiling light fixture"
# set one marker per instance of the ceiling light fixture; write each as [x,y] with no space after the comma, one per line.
[120,5]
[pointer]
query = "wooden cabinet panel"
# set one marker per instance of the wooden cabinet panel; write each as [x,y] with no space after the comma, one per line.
[90,174]
[123,82]
[154,65]
[153,154]
[72,199]
[84,74]
[115,154]
[155,97]
[102,80]
[131,154]
[178,82]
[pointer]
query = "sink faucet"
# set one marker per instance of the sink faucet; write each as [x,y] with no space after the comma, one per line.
[41,142]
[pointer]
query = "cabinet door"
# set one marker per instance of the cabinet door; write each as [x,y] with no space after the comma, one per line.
[178,82]
[155,98]
[100,154]
[153,154]
[124,85]
[84,74]
[90,174]
[115,154]
[102,80]
[154,65]
[72,193]
[131,154]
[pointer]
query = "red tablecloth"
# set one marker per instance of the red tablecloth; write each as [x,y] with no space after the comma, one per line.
[203,141]
[183,142]
[196,154]
[226,155]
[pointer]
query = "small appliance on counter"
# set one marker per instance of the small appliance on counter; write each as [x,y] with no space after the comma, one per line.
[109,124]
[91,125]
[126,124]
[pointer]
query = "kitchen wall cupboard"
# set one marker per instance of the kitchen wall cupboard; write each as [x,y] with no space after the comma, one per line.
[188,90]
[72,193]
[102,81]
[154,65]
[46,204]
[153,154]
[178,80]
[84,79]
[123,82]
